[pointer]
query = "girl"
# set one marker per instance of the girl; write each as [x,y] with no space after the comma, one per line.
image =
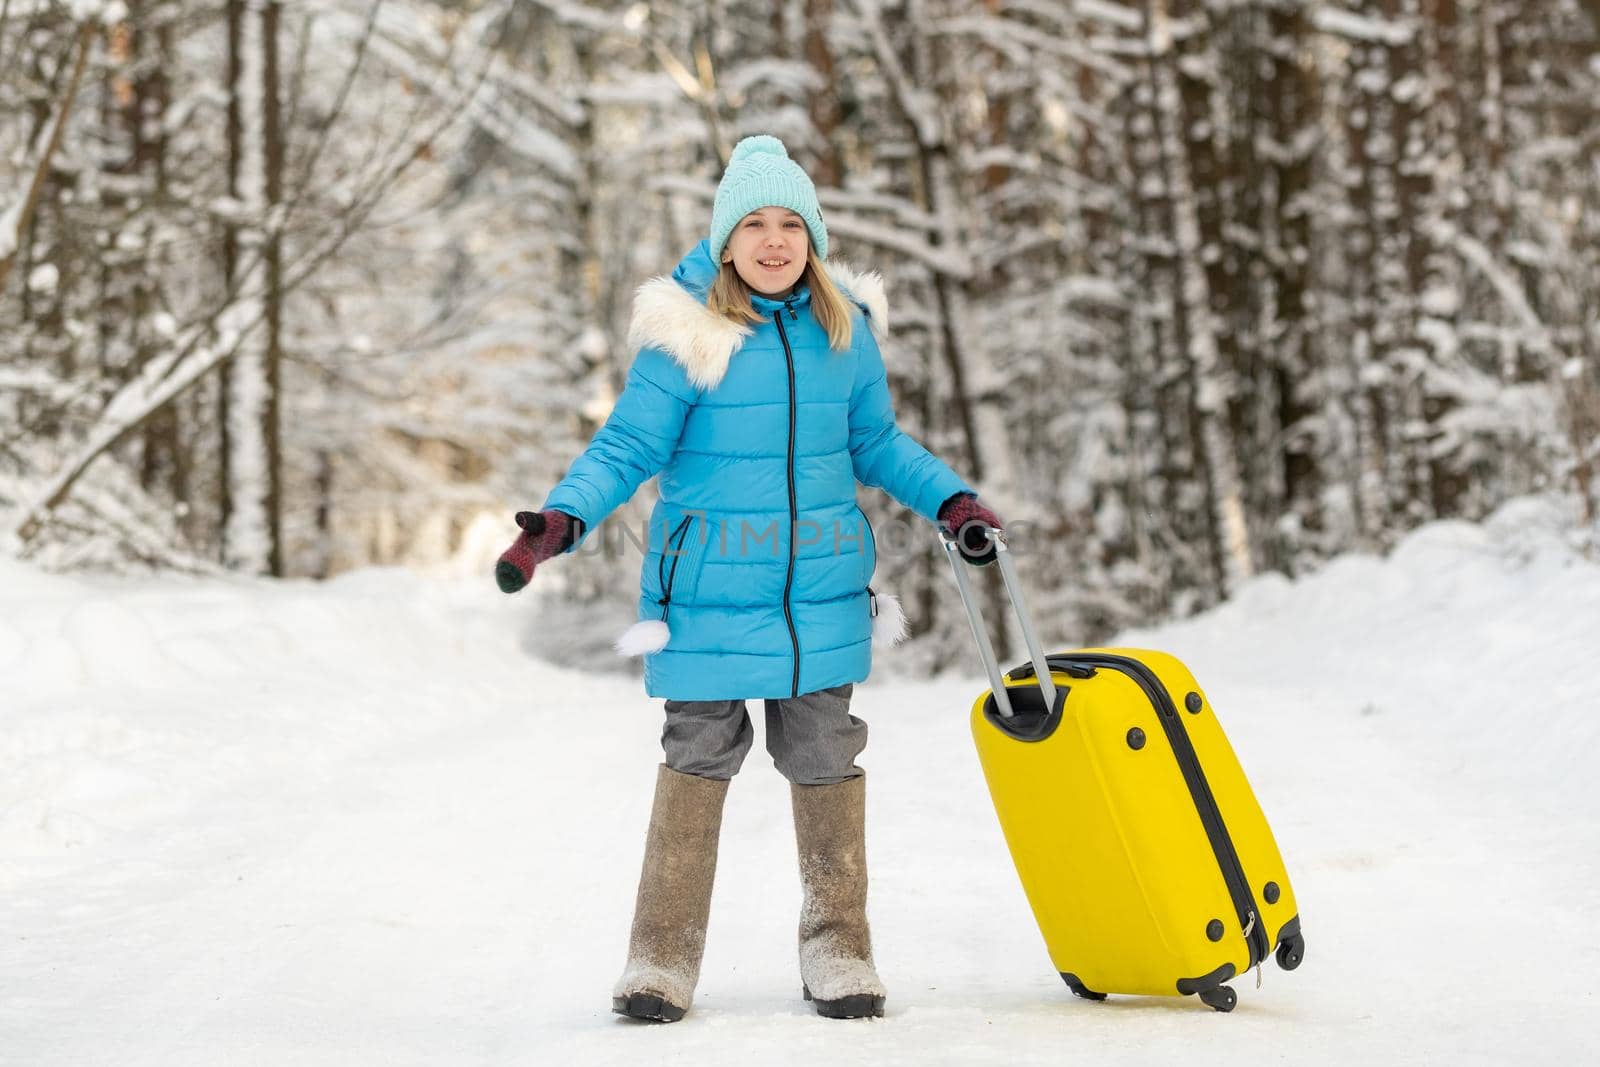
[759,396]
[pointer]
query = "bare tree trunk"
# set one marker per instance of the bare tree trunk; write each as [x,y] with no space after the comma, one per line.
[1176,528]
[273,151]
[823,106]
[1370,412]
[234,73]
[1412,146]
[163,458]
[322,554]
[10,243]
[252,540]
[1195,321]
[1292,108]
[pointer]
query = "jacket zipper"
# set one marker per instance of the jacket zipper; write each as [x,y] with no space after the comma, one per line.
[1205,803]
[665,577]
[794,511]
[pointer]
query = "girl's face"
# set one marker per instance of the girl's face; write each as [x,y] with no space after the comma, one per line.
[768,248]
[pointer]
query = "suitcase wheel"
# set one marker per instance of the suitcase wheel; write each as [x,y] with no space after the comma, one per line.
[1291,951]
[1222,998]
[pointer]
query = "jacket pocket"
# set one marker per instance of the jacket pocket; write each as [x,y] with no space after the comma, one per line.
[869,549]
[682,558]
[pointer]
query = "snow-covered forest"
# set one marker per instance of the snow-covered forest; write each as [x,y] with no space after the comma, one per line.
[1191,289]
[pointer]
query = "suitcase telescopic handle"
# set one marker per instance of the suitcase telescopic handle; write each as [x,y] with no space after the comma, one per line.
[980,633]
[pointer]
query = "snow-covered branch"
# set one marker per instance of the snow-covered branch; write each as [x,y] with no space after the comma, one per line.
[1536,334]
[919,109]
[1357,27]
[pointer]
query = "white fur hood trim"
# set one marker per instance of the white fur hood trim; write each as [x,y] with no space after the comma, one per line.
[667,317]
[864,287]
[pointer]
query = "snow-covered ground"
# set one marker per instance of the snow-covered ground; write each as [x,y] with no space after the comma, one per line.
[257,823]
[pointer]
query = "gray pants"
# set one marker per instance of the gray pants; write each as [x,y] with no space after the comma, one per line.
[813,738]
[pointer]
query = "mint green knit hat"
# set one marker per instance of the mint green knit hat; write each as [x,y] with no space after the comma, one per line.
[761,174]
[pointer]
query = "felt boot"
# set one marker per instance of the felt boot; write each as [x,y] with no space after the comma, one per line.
[669,918]
[835,945]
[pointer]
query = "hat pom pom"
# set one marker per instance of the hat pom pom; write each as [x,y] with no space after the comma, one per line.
[761,144]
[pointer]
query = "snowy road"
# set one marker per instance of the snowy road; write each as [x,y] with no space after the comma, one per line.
[288,824]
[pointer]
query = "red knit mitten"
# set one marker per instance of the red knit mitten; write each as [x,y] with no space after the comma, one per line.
[544,534]
[966,520]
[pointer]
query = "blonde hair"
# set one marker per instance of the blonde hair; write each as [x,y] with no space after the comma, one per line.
[729,297]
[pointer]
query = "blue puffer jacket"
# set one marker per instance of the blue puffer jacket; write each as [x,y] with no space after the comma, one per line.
[759,559]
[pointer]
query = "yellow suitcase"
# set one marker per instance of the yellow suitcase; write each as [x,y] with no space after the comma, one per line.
[1142,850]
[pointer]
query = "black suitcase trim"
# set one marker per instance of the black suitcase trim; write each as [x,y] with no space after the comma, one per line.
[1206,982]
[1075,984]
[1029,720]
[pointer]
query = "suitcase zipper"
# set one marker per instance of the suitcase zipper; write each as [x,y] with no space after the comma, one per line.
[1247,928]
[1255,935]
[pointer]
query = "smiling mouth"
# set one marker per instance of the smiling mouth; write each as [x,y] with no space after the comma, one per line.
[773,264]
